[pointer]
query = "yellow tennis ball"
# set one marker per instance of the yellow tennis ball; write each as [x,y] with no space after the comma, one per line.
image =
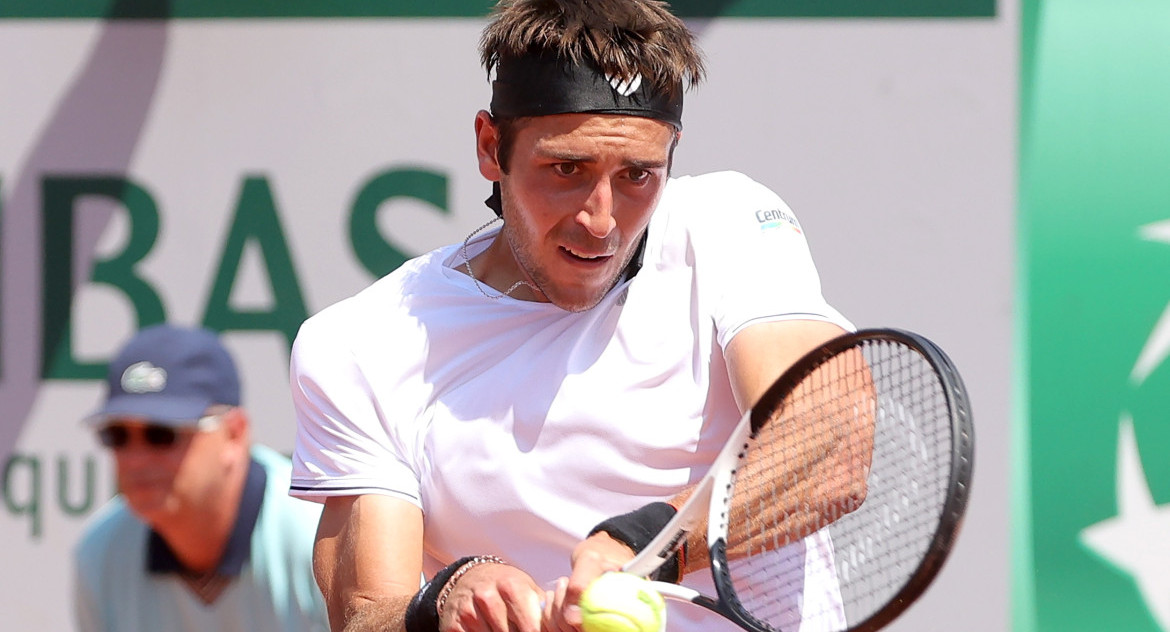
[621,602]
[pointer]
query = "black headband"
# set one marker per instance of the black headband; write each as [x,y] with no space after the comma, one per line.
[540,85]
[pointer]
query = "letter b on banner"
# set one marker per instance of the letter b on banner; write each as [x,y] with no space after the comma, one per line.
[59,198]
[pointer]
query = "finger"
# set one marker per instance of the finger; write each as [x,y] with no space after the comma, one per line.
[561,598]
[491,614]
[554,601]
[520,598]
[574,586]
[593,556]
[527,615]
[584,572]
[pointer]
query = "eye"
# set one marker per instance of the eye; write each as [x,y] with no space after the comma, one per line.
[639,176]
[565,168]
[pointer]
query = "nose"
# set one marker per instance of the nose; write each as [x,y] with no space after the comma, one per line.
[597,214]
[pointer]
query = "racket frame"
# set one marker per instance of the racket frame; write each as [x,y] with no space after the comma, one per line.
[709,496]
[958,487]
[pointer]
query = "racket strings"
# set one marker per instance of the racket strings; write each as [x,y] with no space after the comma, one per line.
[805,467]
[853,456]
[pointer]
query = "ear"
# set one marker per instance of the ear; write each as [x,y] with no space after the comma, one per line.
[487,145]
[237,425]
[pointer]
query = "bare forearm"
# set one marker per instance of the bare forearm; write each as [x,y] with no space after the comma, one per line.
[809,463]
[367,560]
[376,616]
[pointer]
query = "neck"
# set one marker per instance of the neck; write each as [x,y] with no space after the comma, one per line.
[496,271]
[199,533]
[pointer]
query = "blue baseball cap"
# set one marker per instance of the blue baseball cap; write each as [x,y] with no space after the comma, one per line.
[169,375]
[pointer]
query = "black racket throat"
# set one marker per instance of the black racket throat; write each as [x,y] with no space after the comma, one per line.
[728,603]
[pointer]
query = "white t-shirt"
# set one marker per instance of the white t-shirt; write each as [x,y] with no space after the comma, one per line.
[517,426]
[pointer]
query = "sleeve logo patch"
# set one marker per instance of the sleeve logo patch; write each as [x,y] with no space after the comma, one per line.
[777,218]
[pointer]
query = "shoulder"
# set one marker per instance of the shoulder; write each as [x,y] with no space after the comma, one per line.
[356,311]
[719,206]
[328,339]
[724,186]
[720,199]
[357,321]
[111,533]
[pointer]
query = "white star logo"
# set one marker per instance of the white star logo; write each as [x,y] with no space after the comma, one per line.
[1135,539]
[1158,344]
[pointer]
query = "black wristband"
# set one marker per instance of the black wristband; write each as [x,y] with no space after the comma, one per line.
[422,615]
[637,528]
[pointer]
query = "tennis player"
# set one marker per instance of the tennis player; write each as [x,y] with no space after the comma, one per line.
[504,417]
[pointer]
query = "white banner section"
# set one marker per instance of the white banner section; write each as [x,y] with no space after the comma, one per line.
[244,174]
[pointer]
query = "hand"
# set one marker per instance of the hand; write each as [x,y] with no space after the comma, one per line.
[493,598]
[593,556]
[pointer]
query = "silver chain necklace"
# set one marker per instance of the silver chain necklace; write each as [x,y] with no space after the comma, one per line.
[478,285]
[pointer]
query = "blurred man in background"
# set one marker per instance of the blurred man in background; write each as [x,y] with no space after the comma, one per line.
[203,535]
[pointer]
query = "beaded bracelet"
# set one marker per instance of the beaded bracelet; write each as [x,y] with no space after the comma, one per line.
[466,566]
[422,614]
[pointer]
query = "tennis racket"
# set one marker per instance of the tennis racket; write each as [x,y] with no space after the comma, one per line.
[858,458]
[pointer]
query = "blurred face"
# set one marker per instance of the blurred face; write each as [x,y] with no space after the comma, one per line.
[165,473]
[577,197]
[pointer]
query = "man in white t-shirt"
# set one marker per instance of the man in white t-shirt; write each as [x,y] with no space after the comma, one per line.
[493,414]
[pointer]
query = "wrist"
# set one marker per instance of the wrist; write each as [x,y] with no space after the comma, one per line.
[462,570]
[637,529]
[424,610]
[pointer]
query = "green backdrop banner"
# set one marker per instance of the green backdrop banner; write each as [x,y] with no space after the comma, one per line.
[1095,248]
[155,9]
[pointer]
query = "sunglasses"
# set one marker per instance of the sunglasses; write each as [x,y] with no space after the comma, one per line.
[117,435]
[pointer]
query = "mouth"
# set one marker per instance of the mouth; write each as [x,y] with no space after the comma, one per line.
[143,482]
[585,257]
[140,486]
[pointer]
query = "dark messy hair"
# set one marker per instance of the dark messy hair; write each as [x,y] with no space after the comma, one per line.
[623,37]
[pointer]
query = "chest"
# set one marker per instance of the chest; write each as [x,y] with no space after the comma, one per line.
[572,417]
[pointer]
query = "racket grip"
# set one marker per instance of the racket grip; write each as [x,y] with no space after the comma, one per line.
[637,529]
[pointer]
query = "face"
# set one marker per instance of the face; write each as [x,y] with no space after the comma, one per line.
[161,482]
[577,197]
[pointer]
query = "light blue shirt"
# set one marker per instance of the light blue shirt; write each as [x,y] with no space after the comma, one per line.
[273,592]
